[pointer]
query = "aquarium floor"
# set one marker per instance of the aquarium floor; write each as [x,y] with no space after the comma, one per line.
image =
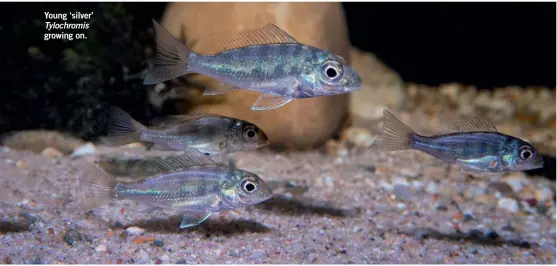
[360,207]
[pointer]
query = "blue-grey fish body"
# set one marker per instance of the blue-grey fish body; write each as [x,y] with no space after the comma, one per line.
[266,60]
[475,145]
[191,183]
[209,134]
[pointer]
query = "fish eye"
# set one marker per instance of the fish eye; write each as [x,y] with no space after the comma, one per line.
[250,133]
[331,70]
[249,186]
[526,154]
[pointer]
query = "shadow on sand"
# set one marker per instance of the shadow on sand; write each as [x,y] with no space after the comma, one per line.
[172,225]
[474,236]
[301,206]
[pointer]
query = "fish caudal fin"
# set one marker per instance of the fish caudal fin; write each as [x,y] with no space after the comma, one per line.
[171,59]
[395,135]
[122,128]
[100,184]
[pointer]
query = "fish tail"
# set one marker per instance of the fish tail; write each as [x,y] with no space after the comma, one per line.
[122,128]
[100,184]
[395,135]
[171,60]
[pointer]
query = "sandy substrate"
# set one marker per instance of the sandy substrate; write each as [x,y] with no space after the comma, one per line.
[359,207]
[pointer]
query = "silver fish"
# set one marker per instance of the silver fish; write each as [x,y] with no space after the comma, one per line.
[474,144]
[266,60]
[207,133]
[191,183]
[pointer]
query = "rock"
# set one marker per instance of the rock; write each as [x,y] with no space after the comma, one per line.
[52,153]
[382,88]
[100,248]
[302,123]
[134,230]
[22,164]
[418,185]
[544,194]
[511,205]
[38,140]
[86,149]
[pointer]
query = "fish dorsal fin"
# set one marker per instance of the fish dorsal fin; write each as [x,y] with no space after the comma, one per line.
[174,119]
[156,165]
[221,42]
[476,124]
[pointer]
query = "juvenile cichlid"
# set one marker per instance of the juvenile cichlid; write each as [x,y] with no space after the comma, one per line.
[475,145]
[191,183]
[266,60]
[207,133]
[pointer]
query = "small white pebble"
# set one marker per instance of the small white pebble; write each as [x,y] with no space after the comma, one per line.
[432,188]
[86,149]
[544,194]
[401,205]
[511,205]
[418,186]
[134,230]
[100,248]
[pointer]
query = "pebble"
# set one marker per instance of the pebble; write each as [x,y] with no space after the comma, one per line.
[86,149]
[100,248]
[511,205]
[517,182]
[257,255]
[432,188]
[52,153]
[385,186]
[544,194]
[410,173]
[165,258]
[22,164]
[474,191]
[4,149]
[468,216]
[358,137]
[418,185]
[402,192]
[182,261]
[134,230]
[158,243]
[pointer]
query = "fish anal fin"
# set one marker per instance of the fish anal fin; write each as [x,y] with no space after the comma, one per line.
[192,219]
[217,43]
[476,124]
[270,101]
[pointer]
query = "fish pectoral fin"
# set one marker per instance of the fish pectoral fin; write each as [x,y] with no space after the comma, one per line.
[193,219]
[223,88]
[270,101]
[268,34]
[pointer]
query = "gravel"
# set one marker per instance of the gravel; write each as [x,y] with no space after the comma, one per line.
[343,216]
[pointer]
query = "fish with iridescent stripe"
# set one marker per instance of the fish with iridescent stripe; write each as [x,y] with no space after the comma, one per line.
[266,60]
[473,144]
[191,183]
[207,133]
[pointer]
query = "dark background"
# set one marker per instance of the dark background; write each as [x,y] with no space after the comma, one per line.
[68,85]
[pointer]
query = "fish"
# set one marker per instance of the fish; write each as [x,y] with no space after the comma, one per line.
[192,184]
[208,133]
[475,145]
[265,59]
